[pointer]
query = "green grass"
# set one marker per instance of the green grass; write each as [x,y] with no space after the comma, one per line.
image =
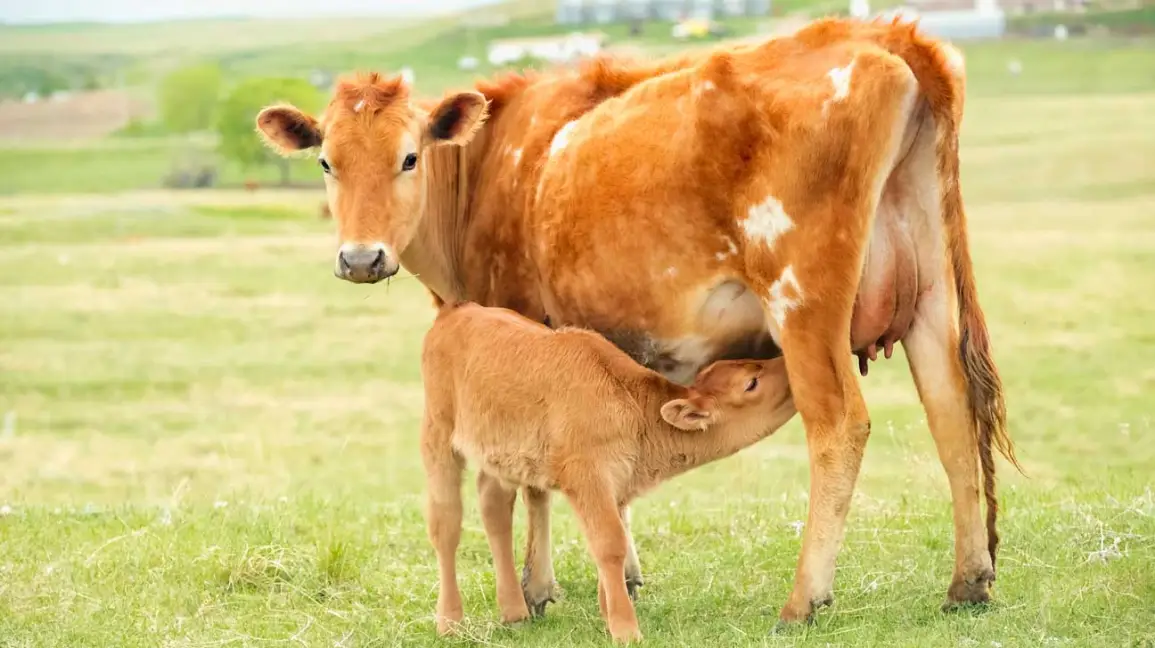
[1077,66]
[119,164]
[213,442]
[1140,20]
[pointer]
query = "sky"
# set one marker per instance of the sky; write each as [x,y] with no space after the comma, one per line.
[26,11]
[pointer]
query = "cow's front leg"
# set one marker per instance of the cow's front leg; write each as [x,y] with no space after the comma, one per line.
[837,424]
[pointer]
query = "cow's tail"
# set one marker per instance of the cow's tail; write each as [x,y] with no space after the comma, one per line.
[983,384]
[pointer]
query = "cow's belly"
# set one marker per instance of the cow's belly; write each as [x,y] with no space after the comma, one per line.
[676,325]
[677,333]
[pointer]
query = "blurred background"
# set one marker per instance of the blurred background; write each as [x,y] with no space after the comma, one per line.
[206,439]
[128,94]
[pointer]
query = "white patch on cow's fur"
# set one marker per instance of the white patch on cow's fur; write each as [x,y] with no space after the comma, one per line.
[516,156]
[840,77]
[562,138]
[359,105]
[671,271]
[766,221]
[785,296]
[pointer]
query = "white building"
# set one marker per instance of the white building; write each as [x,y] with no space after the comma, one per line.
[555,49]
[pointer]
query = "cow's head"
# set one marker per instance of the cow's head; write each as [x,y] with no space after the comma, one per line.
[372,138]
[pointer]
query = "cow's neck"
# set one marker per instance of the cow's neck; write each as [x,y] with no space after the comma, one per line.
[434,254]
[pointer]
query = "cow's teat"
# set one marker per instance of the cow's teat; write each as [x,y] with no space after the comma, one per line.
[365,262]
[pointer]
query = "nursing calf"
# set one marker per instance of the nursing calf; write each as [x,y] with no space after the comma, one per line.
[567,410]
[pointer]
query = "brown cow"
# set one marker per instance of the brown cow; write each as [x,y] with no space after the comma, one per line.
[802,193]
[567,410]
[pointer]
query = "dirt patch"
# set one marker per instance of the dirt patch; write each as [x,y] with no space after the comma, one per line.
[82,115]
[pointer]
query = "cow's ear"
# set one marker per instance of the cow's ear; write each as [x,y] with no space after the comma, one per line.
[687,414]
[457,118]
[287,130]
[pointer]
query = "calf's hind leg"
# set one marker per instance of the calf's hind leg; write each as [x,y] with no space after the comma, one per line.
[537,578]
[634,578]
[496,502]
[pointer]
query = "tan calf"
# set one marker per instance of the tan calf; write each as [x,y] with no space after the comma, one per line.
[567,410]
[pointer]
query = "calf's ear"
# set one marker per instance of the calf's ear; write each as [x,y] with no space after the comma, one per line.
[457,118]
[687,415]
[287,130]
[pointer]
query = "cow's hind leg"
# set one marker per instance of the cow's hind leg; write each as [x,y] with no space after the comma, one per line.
[496,503]
[932,350]
[537,578]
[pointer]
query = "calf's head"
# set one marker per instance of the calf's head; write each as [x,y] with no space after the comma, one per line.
[734,392]
[371,140]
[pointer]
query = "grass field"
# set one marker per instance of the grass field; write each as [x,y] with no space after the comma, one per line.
[190,37]
[207,440]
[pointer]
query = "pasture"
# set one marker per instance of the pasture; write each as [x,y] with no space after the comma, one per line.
[210,441]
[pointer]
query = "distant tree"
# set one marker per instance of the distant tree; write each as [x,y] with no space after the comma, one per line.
[188,98]
[239,141]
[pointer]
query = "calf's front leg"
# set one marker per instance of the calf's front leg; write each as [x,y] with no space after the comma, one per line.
[601,522]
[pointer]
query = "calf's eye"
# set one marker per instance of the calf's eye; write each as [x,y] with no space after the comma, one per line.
[324,165]
[410,162]
[753,385]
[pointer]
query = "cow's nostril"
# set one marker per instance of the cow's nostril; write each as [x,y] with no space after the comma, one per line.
[343,262]
[378,267]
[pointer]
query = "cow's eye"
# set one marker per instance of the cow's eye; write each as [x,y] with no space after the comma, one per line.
[752,385]
[324,165]
[410,162]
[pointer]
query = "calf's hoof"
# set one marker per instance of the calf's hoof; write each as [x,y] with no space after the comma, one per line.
[447,624]
[626,634]
[794,614]
[515,614]
[970,591]
[538,595]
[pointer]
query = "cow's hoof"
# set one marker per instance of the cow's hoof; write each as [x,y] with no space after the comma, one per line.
[633,583]
[969,592]
[538,596]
